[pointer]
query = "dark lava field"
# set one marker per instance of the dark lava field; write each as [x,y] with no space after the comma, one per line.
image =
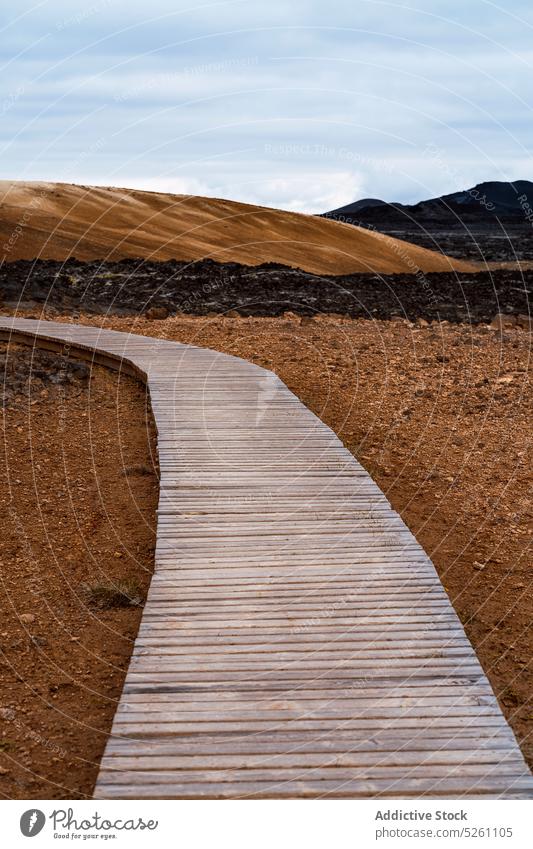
[206,287]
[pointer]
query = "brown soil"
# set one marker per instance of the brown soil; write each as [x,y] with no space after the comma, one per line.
[441,417]
[59,220]
[76,516]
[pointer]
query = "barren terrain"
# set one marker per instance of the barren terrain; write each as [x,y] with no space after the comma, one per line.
[78,494]
[59,220]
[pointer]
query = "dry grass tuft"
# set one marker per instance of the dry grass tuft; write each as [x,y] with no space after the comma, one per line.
[137,470]
[125,593]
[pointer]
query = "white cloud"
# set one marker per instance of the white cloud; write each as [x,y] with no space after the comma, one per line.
[314,191]
[191,98]
[171,185]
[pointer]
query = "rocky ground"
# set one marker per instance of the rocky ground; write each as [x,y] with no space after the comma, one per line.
[206,287]
[78,492]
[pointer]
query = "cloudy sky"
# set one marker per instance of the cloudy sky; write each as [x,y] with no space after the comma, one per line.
[303,105]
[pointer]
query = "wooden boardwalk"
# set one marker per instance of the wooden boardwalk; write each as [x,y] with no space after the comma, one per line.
[296,640]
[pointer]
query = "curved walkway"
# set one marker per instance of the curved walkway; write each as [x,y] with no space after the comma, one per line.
[296,640]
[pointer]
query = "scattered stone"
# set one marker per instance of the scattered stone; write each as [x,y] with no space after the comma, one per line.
[503,322]
[525,322]
[27,618]
[156,313]
[479,566]
[30,373]
[81,370]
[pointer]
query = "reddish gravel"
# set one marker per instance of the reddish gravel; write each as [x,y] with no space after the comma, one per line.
[69,517]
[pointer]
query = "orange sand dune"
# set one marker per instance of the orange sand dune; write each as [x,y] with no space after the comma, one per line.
[59,220]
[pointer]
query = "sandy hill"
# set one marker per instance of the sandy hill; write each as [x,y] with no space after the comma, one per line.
[57,221]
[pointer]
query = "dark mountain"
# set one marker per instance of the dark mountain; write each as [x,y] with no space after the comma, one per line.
[498,198]
[482,201]
[492,220]
[359,205]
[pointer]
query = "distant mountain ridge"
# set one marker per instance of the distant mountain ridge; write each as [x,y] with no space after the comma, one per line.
[482,202]
[503,198]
